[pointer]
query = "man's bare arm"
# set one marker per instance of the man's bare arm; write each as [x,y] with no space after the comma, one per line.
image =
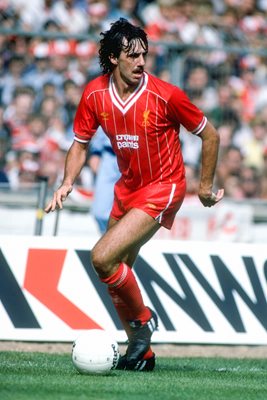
[210,148]
[74,162]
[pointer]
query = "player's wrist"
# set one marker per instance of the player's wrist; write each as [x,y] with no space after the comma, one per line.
[67,183]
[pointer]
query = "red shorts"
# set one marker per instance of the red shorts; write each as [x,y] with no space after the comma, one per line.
[160,201]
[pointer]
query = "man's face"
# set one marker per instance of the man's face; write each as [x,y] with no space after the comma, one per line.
[129,66]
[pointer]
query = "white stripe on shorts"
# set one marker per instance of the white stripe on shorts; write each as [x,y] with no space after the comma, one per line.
[159,217]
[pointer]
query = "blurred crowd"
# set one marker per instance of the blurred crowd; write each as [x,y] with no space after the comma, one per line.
[41,81]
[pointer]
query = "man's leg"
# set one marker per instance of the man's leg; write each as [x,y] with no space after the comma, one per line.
[122,239]
[121,243]
[122,309]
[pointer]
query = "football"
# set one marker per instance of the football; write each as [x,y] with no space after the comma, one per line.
[95,352]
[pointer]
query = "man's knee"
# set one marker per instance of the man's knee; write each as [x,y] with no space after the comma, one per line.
[100,261]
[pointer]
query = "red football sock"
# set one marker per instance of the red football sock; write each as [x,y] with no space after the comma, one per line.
[148,354]
[124,312]
[126,295]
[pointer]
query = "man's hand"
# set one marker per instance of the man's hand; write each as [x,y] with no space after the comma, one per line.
[58,198]
[208,198]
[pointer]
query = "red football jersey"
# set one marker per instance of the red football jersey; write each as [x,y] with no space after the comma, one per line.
[143,130]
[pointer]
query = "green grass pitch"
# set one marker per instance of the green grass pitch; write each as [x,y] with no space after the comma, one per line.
[41,376]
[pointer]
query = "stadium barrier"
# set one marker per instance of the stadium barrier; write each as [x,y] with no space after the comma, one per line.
[21,213]
[203,292]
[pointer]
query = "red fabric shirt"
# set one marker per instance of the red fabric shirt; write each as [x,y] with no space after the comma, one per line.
[143,130]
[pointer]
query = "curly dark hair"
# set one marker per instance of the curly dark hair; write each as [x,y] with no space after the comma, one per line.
[112,42]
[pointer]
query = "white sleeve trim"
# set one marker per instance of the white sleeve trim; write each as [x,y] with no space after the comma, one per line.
[81,140]
[200,127]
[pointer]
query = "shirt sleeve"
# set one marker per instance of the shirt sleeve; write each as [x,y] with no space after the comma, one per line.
[183,111]
[85,122]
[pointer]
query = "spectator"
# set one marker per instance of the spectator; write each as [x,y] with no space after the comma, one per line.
[11,169]
[126,9]
[28,165]
[13,78]
[230,30]
[60,56]
[98,13]
[254,147]
[9,17]
[250,89]
[199,89]
[72,95]
[83,66]
[31,144]
[50,107]
[167,21]
[230,164]
[34,13]
[53,167]
[207,31]
[222,112]
[70,17]
[233,188]
[56,134]
[18,112]
[40,72]
[48,90]
[54,151]
[226,132]
[250,182]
